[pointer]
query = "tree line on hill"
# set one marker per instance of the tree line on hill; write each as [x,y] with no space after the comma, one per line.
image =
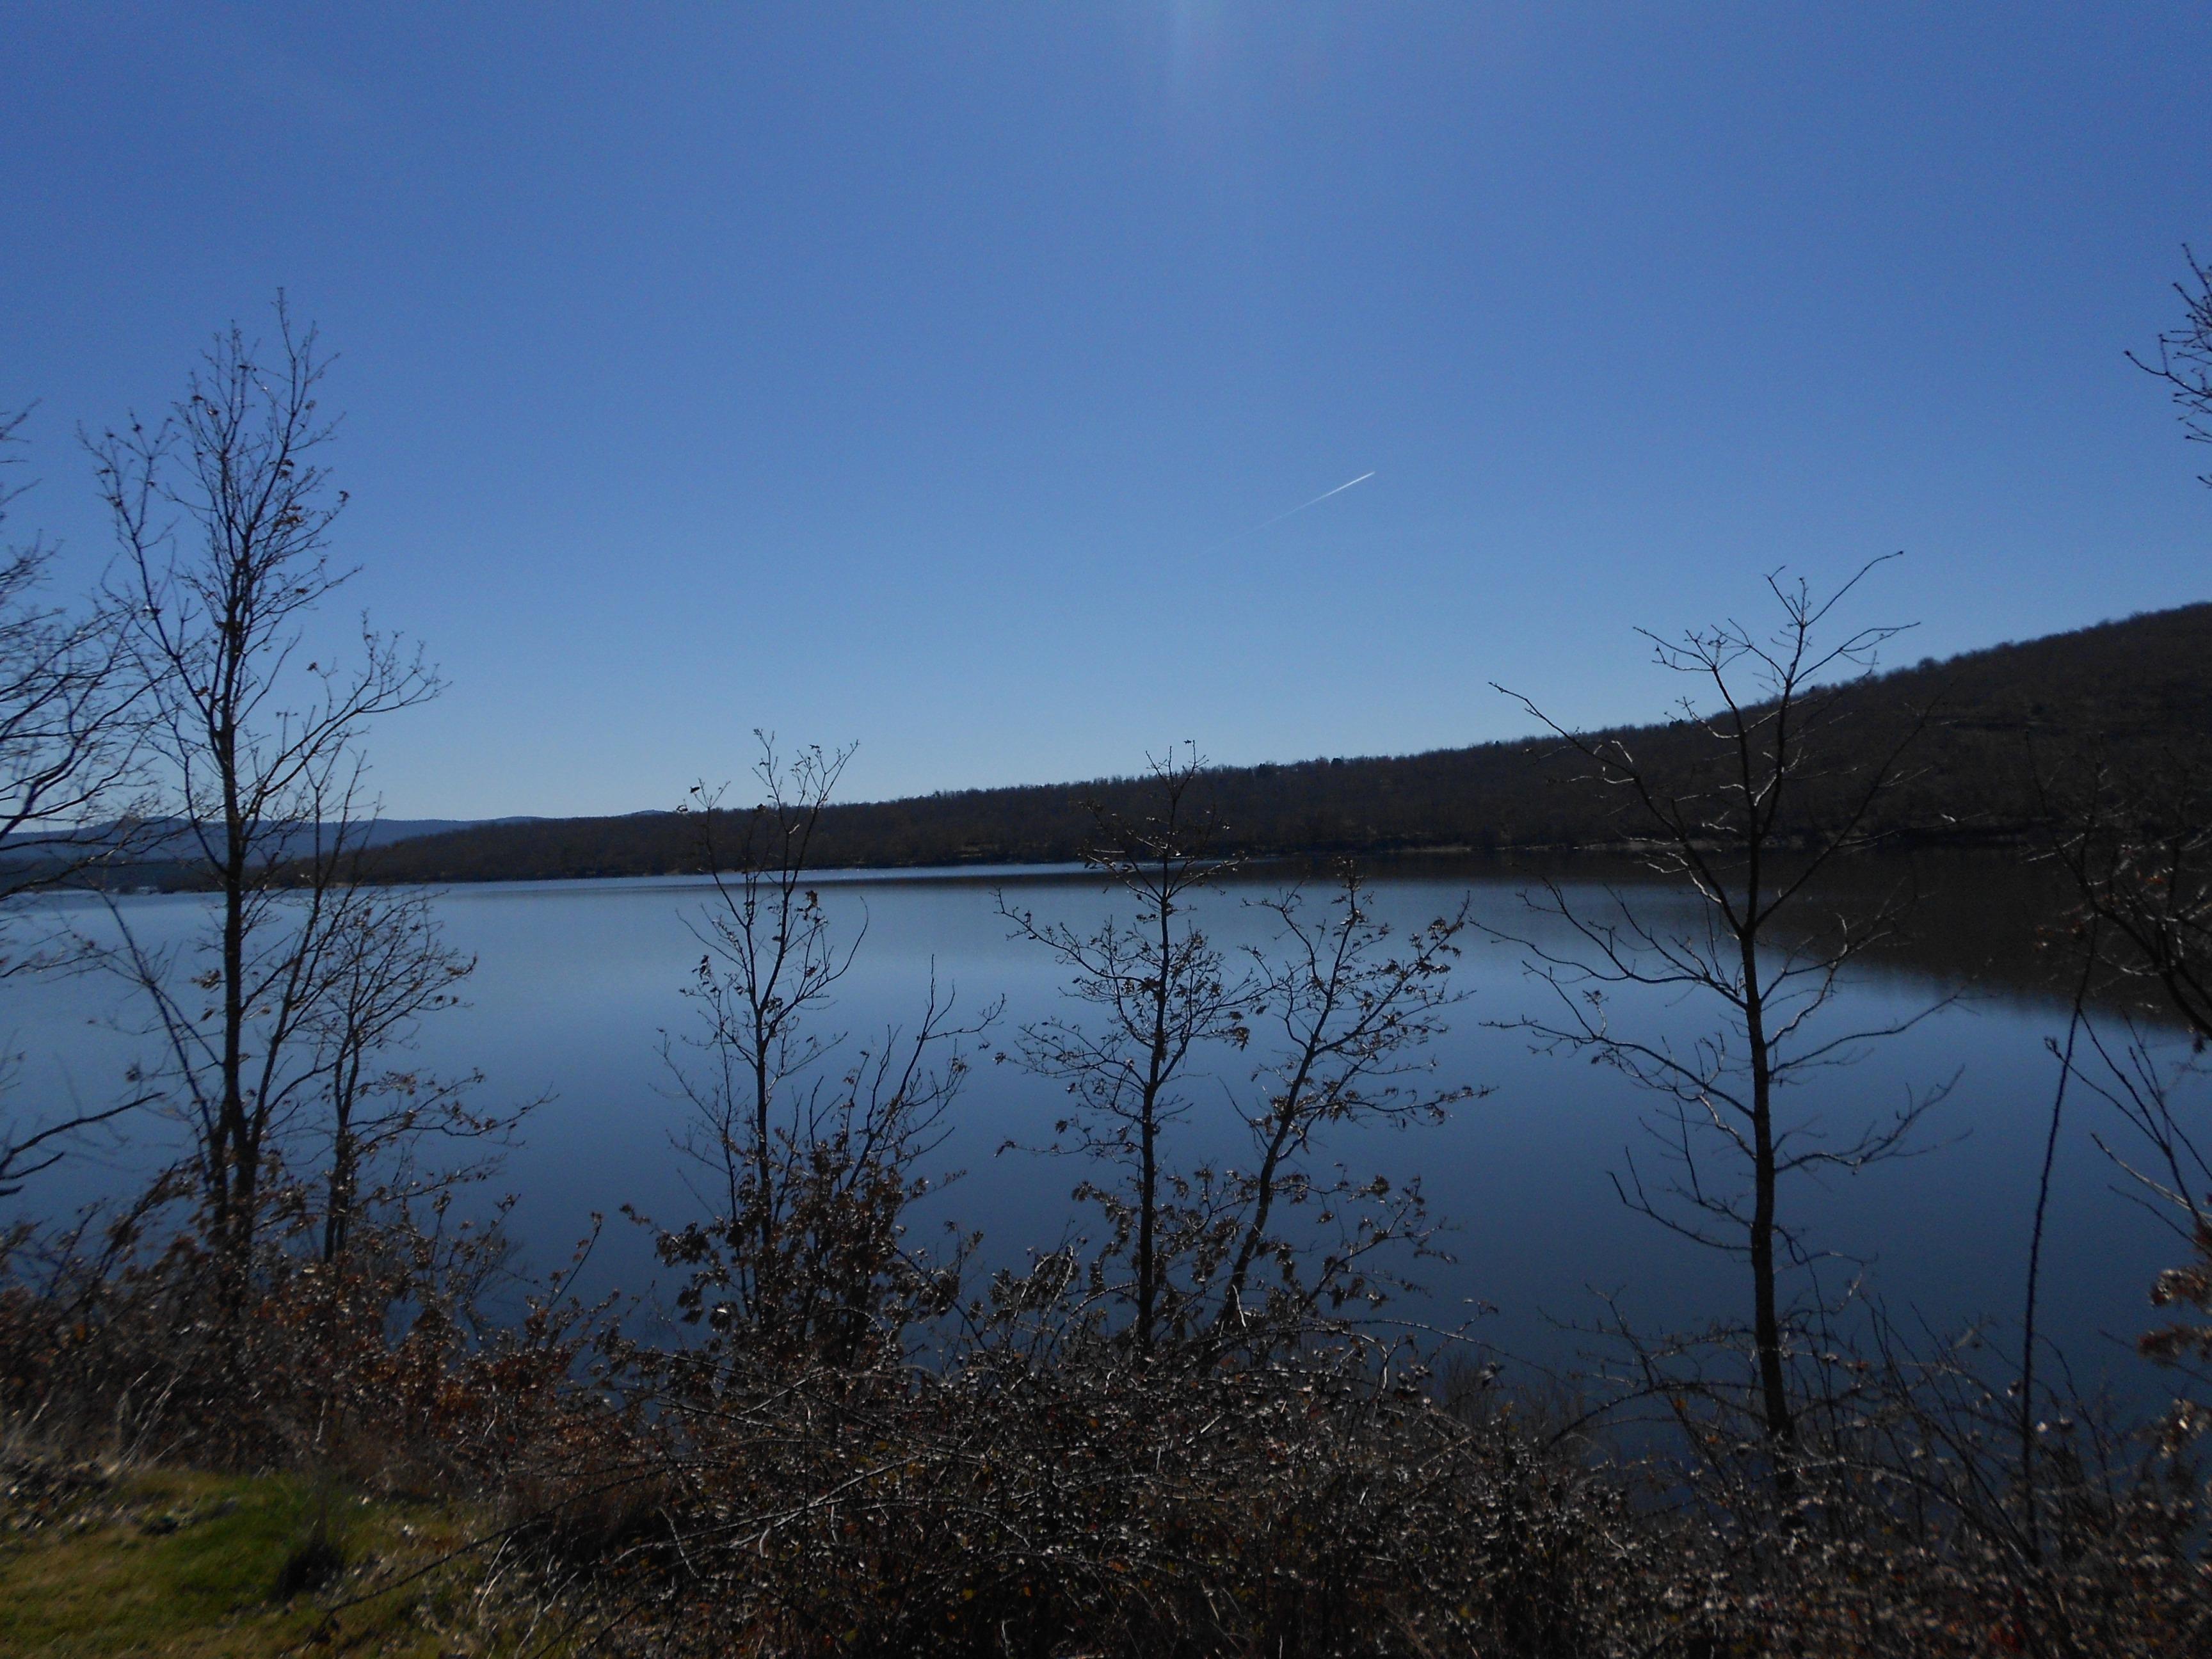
[2137,690]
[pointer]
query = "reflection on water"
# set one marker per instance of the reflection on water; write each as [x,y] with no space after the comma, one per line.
[577,980]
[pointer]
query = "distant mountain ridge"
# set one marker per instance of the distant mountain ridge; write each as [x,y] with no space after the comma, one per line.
[157,835]
[163,853]
[2135,687]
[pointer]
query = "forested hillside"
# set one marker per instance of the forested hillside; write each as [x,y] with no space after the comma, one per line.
[2127,689]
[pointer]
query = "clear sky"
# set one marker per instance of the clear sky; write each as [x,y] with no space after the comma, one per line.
[917,375]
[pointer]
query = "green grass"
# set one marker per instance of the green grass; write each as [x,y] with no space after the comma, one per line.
[176,1563]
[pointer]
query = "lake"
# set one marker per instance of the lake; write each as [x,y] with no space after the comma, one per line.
[577,982]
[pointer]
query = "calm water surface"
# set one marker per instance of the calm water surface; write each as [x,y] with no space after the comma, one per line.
[577,982]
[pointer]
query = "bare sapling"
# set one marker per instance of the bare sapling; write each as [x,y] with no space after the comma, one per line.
[1331,1015]
[1768,779]
[1344,1009]
[813,1140]
[1161,993]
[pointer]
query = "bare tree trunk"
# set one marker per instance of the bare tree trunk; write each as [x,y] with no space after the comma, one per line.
[233,1174]
[259,750]
[345,1176]
[1286,1120]
[1148,1178]
[1767,1318]
[763,1133]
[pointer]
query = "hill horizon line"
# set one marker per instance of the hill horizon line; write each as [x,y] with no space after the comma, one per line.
[2136,681]
[1114,780]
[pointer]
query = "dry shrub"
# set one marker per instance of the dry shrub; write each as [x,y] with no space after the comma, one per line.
[1042,1486]
[1045,1487]
[136,1339]
[1036,1482]
[1109,1501]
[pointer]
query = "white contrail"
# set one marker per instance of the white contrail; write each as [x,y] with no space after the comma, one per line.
[1280,517]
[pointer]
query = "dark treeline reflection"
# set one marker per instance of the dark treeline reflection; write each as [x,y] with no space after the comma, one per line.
[1991,922]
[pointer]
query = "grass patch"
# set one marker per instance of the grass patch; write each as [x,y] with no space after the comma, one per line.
[176,1563]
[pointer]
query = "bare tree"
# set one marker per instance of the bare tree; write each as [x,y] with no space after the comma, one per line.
[2134,836]
[2137,840]
[1162,992]
[388,965]
[223,513]
[807,1257]
[1344,1013]
[1763,788]
[1340,1009]
[770,961]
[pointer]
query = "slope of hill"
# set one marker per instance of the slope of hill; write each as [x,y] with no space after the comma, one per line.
[2141,686]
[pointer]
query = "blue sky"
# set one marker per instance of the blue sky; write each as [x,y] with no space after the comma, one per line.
[907,375]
